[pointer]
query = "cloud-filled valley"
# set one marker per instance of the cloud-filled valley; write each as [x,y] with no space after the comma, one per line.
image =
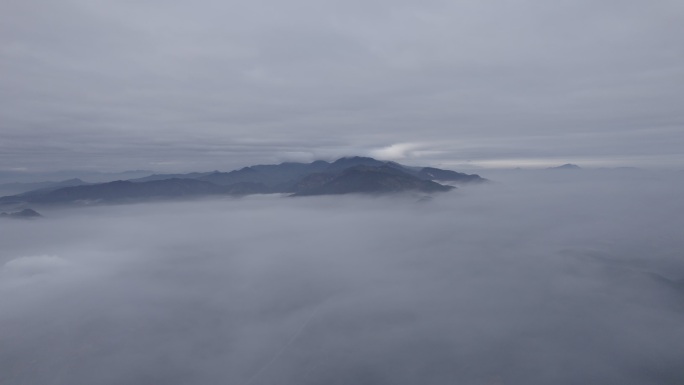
[560,277]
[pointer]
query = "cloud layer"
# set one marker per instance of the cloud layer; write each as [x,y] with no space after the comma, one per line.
[556,277]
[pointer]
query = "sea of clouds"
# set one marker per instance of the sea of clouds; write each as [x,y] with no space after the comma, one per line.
[546,277]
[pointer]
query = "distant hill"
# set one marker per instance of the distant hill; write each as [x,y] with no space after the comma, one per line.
[23,214]
[153,177]
[567,166]
[14,177]
[279,178]
[118,191]
[21,187]
[345,175]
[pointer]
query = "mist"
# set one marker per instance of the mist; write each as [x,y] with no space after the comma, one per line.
[546,277]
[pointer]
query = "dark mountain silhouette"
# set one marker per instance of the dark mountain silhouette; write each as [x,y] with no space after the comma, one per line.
[118,191]
[366,179]
[347,162]
[284,176]
[279,178]
[18,187]
[153,177]
[567,166]
[425,173]
[345,175]
[276,177]
[23,214]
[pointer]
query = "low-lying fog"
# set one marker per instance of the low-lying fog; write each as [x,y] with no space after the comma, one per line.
[563,277]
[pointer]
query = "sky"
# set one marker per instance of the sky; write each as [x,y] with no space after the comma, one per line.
[203,85]
[537,278]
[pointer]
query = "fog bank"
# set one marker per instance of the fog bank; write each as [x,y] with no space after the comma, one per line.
[535,278]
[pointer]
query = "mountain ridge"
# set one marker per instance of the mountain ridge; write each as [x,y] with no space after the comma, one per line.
[283,175]
[369,179]
[345,175]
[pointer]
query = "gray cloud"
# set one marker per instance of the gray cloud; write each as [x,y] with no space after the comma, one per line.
[177,86]
[536,278]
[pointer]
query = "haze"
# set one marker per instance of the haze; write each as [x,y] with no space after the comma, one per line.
[560,277]
[541,276]
[196,86]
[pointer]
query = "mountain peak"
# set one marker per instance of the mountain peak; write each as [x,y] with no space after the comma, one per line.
[354,174]
[567,166]
[25,213]
[352,161]
[356,157]
[366,179]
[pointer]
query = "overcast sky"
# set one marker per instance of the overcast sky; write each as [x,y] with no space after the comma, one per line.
[179,85]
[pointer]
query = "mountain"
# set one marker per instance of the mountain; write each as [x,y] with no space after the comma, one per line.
[567,166]
[345,175]
[23,214]
[368,180]
[153,177]
[120,191]
[276,177]
[19,187]
[353,161]
[13,177]
[284,177]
